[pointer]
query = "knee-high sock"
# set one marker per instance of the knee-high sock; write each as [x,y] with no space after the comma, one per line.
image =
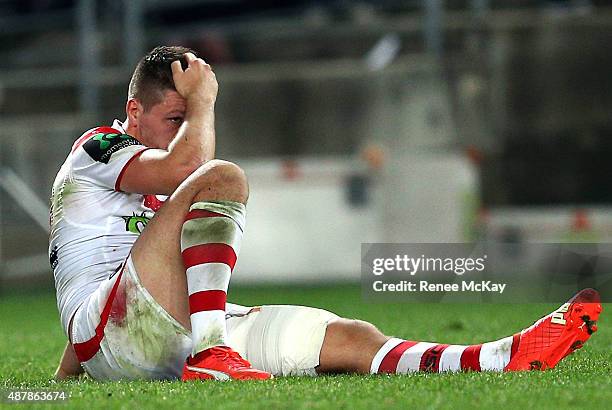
[402,356]
[210,243]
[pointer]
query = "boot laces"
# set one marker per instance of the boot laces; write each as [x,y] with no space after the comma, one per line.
[231,357]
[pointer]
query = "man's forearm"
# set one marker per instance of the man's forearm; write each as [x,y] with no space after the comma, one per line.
[195,141]
[69,364]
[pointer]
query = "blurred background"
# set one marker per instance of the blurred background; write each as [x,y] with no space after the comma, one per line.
[356,121]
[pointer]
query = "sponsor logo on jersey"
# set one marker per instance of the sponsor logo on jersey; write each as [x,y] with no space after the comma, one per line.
[136,223]
[102,146]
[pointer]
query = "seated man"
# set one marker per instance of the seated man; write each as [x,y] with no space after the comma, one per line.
[142,283]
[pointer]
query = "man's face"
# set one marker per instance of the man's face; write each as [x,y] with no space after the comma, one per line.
[158,126]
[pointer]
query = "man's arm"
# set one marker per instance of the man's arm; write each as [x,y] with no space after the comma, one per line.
[69,364]
[159,171]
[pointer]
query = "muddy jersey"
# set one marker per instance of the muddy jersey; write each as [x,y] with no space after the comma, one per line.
[93,223]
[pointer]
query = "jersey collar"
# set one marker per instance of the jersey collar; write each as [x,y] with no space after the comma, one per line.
[118,125]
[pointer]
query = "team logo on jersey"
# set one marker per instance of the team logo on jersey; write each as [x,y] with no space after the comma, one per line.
[101,146]
[136,223]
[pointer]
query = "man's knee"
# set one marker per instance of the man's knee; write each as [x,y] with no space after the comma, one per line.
[220,180]
[349,346]
[353,330]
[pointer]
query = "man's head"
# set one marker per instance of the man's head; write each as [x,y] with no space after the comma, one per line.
[154,109]
[153,76]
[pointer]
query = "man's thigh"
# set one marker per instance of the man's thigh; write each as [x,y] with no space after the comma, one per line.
[157,252]
[281,339]
[156,255]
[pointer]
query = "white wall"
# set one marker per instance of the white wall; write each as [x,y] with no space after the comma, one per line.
[303,229]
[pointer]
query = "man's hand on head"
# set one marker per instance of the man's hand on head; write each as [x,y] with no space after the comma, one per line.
[190,145]
[197,83]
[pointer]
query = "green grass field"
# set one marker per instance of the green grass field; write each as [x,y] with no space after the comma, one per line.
[31,341]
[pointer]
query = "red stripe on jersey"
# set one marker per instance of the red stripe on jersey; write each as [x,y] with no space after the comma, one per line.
[120,176]
[104,130]
[470,358]
[88,349]
[202,213]
[390,361]
[209,253]
[207,300]
[430,361]
[516,339]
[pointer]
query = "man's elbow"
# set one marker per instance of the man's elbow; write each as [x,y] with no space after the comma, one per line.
[183,170]
[194,163]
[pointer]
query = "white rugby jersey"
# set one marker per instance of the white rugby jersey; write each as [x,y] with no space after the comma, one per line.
[93,223]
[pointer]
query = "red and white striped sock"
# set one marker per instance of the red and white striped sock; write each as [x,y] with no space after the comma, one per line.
[403,356]
[210,243]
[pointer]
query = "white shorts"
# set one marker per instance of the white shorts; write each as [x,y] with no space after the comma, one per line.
[121,332]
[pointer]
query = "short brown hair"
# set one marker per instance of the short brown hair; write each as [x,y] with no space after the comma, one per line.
[153,75]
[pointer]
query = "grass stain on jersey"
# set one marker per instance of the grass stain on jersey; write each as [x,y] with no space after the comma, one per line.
[136,223]
[58,195]
[69,188]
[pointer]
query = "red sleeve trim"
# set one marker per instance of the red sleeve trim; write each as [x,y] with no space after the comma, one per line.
[118,182]
[81,140]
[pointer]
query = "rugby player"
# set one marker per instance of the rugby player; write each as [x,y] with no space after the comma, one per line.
[146,226]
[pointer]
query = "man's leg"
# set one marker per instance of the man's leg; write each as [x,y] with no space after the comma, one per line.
[157,252]
[356,346]
[185,256]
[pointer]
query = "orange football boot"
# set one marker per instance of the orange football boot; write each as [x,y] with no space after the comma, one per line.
[220,363]
[558,334]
